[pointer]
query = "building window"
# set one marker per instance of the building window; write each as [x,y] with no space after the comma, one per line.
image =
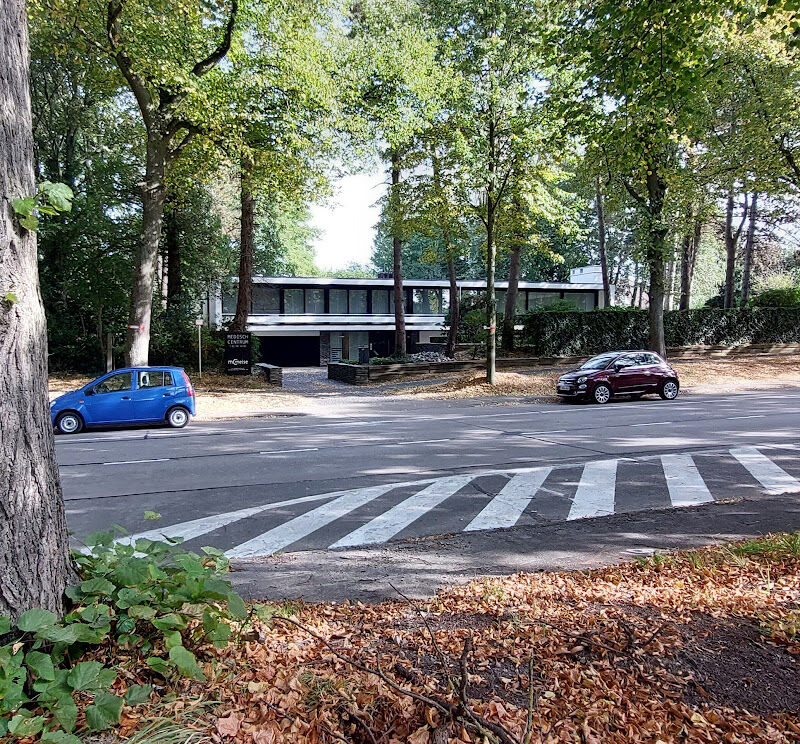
[500,300]
[228,303]
[584,300]
[315,301]
[427,301]
[382,301]
[265,300]
[293,303]
[541,299]
[358,302]
[338,302]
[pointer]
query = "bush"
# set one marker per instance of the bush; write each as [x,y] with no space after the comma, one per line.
[784,297]
[583,333]
[154,604]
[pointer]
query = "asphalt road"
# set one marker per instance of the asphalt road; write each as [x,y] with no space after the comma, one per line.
[380,469]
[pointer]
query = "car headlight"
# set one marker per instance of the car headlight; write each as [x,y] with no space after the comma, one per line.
[582,379]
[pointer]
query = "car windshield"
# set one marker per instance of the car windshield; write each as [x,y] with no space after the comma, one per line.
[599,362]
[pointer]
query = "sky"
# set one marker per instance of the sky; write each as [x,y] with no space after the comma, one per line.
[346,224]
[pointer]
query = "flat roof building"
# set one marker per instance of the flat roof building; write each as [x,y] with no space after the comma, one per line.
[308,321]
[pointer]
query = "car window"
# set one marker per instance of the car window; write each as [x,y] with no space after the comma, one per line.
[653,359]
[115,383]
[151,379]
[626,361]
[599,362]
[168,379]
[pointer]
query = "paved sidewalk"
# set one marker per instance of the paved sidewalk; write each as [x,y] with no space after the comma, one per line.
[421,566]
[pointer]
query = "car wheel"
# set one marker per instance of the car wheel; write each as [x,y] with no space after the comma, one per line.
[69,423]
[669,390]
[178,417]
[602,394]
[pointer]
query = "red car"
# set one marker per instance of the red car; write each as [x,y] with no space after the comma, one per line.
[628,373]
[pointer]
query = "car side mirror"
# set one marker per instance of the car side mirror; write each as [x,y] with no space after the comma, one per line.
[88,391]
[618,366]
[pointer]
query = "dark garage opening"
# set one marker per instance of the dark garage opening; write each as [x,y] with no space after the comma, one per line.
[290,351]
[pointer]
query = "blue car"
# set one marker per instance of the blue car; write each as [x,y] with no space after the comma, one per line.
[134,395]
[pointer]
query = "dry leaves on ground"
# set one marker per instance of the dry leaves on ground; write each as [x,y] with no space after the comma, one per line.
[695,647]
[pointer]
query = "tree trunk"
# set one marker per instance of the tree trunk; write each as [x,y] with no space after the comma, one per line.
[137,342]
[35,566]
[247,247]
[656,250]
[686,271]
[491,305]
[601,240]
[748,250]
[455,308]
[730,253]
[635,283]
[173,258]
[510,312]
[668,283]
[397,260]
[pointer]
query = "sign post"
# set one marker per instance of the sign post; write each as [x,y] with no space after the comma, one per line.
[237,353]
[199,323]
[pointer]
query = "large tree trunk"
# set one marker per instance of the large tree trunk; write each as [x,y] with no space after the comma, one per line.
[173,257]
[635,283]
[491,304]
[730,252]
[455,308]
[748,250]
[656,250]
[247,247]
[601,241]
[510,311]
[397,267]
[689,248]
[34,553]
[137,343]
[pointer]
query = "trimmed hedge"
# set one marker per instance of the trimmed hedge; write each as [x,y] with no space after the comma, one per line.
[581,333]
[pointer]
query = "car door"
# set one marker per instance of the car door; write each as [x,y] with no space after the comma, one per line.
[626,376]
[152,396]
[652,371]
[110,401]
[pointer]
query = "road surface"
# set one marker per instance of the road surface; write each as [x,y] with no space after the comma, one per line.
[376,470]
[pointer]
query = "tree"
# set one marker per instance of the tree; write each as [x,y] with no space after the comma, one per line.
[395,77]
[629,78]
[164,54]
[34,550]
[492,49]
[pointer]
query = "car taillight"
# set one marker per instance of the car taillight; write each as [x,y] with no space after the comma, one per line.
[189,388]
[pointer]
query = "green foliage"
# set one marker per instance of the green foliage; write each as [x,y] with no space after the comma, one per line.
[787,297]
[584,333]
[51,198]
[769,545]
[157,601]
[559,306]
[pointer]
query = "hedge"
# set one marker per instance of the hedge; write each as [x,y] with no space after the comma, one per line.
[579,333]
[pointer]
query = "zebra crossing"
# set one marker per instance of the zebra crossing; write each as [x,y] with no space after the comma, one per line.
[490,499]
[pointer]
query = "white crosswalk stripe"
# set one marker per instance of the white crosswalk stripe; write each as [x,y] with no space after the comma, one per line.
[595,494]
[296,529]
[388,524]
[507,507]
[686,485]
[774,478]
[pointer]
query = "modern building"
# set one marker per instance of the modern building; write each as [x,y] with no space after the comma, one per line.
[308,321]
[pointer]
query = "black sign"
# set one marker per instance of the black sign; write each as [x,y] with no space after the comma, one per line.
[237,353]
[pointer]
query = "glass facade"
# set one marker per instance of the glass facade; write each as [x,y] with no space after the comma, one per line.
[272,300]
[265,300]
[338,302]
[293,302]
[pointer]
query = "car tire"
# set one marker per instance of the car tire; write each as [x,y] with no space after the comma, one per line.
[601,394]
[69,422]
[177,417]
[669,389]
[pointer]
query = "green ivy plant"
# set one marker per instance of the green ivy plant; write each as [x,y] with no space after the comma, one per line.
[50,198]
[157,601]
